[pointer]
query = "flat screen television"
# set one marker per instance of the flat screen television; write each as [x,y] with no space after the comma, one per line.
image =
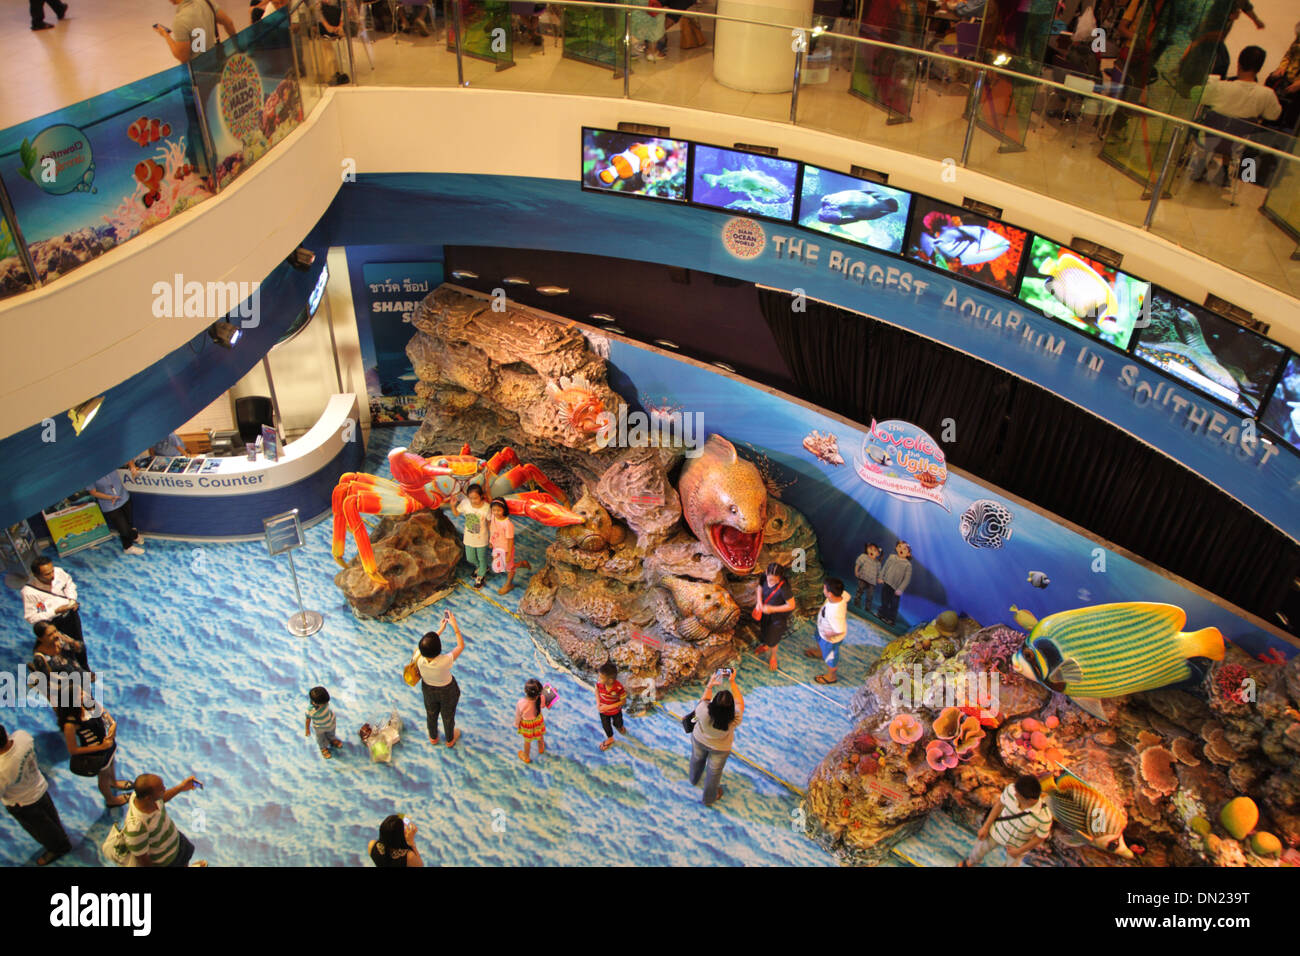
[1219,358]
[966,244]
[853,209]
[1282,413]
[743,182]
[1082,292]
[313,300]
[634,165]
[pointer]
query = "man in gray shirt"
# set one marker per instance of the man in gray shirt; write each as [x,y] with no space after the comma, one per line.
[194,28]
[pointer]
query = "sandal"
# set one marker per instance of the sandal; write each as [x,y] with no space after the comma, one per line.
[524,757]
[434,741]
[325,752]
[48,857]
[761,650]
[771,665]
[607,743]
[823,679]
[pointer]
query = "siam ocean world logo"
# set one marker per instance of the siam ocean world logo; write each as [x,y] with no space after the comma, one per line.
[902,460]
[743,238]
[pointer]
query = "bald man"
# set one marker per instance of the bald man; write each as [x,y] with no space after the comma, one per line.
[151,837]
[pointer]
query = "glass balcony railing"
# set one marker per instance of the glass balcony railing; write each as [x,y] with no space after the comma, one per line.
[1126,142]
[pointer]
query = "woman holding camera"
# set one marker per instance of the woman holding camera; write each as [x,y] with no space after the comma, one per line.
[715,721]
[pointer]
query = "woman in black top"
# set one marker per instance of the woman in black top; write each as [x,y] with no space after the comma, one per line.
[56,656]
[91,735]
[775,605]
[394,846]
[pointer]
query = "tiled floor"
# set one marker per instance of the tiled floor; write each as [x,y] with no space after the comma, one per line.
[108,43]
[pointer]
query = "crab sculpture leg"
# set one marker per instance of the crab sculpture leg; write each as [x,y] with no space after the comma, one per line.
[548,506]
[360,494]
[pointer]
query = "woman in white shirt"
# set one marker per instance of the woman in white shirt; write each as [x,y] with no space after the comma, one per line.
[716,718]
[441,692]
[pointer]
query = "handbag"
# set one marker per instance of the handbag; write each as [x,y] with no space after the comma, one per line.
[692,35]
[114,847]
[411,673]
[688,722]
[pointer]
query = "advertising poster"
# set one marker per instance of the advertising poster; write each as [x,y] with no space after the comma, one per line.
[393,291]
[76,527]
[594,36]
[487,33]
[88,177]
[14,277]
[249,90]
[1017,31]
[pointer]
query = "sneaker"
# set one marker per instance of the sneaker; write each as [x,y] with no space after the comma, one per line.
[43,26]
[134,549]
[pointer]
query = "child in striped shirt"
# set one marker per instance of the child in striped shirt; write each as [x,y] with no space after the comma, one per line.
[321,716]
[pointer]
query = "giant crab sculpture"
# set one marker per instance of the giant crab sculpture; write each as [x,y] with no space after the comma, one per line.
[420,483]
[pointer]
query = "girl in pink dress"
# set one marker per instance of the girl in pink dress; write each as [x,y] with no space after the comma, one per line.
[502,542]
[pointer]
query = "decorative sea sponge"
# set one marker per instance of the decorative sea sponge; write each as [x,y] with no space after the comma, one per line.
[1158,770]
[1052,722]
[1265,844]
[1239,816]
[905,729]
[1038,740]
[1219,750]
[865,743]
[1147,739]
[1200,825]
[1029,725]
[969,736]
[940,755]
[947,724]
[1184,749]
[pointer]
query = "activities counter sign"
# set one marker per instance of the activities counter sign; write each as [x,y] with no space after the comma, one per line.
[902,460]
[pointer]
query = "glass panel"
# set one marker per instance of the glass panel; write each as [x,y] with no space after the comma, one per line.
[14,277]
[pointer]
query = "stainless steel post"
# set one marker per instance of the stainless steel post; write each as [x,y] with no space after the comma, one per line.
[460,64]
[627,54]
[974,106]
[204,132]
[305,623]
[23,252]
[1164,175]
[347,38]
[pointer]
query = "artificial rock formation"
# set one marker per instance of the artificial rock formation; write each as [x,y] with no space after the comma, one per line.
[1171,759]
[417,554]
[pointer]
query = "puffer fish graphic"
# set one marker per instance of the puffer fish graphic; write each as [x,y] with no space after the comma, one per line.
[1110,650]
[1082,290]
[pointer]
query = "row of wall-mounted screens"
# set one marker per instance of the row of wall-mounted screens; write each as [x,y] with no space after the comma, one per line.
[1229,364]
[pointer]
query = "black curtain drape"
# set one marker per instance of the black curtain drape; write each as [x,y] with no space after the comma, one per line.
[1039,447]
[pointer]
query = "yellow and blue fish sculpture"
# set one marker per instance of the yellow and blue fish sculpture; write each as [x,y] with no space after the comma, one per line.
[1082,808]
[1110,650]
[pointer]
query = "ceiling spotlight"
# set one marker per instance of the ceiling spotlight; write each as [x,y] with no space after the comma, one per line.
[614,328]
[224,333]
[601,317]
[83,413]
[301,258]
[515,280]
[552,290]
[666,344]
[724,366]
[1001,59]
[463,274]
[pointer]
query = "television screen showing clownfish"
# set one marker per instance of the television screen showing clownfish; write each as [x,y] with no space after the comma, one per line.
[966,244]
[1082,292]
[634,165]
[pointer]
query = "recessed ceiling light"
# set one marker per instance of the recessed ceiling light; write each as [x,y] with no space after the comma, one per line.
[463,274]
[724,366]
[601,317]
[666,344]
[515,280]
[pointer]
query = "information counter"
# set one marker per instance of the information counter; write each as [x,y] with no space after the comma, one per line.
[227,498]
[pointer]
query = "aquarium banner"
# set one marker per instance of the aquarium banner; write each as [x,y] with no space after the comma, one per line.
[77,527]
[391,292]
[902,460]
[249,90]
[89,177]
[986,556]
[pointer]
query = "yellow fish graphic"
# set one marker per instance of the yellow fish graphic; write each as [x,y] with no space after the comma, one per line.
[1110,650]
[1079,287]
[1078,806]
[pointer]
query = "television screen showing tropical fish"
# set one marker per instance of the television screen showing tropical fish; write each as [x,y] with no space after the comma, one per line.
[853,209]
[744,182]
[1082,292]
[1282,413]
[966,244]
[634,165]
[1218,357]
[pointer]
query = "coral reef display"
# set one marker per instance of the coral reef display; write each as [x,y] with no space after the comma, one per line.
[1193,775]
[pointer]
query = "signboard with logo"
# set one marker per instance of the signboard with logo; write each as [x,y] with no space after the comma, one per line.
[901,459]
[391,294]
[76,527]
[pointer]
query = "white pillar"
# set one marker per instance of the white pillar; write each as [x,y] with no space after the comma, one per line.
[753,58]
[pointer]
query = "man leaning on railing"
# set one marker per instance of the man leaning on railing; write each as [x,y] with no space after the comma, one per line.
[194,29]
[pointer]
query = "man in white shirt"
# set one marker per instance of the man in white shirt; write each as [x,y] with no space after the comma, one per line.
[1243,98]
[26,795]
[50,595]
[832,626]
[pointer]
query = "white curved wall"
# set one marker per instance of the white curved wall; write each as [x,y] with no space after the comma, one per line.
[106,330]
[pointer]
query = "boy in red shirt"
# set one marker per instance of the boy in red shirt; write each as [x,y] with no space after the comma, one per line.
[610,698]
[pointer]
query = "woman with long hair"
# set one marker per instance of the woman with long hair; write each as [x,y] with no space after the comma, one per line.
[773,607]
[716,718]
[395,846]
[91,735]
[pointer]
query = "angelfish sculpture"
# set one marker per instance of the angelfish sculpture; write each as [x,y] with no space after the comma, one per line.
[1110,650]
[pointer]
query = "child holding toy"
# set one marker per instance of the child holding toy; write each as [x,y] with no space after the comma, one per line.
[529,720]
[502,538]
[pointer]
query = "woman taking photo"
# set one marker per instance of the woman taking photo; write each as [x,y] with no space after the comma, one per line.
[441,692]
[395,846]
[716,718]
[773,608]
[91,735]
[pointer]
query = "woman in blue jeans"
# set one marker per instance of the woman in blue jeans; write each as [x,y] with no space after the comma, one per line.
[716,718]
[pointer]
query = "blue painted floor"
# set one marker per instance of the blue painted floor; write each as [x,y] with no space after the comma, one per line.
[198,668]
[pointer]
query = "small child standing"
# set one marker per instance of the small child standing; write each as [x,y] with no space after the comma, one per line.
[610,698]
[321,716]
[503,544]
[477,536]
[895,576]
[867,571]
[529,720]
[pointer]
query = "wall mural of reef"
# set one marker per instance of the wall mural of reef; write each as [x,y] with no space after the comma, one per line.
[1158,741]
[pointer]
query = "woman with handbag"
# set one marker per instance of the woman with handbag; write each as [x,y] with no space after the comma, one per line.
[772,609]
[56,657]
[716,718]
[432,669]
[91,735]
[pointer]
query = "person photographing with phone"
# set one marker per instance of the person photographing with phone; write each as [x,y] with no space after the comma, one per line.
[396,843]
[441,692]
[714,724]
[194,28]
[152,838]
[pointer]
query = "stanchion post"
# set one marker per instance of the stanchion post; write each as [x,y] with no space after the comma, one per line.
[283,536]
[460,64]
